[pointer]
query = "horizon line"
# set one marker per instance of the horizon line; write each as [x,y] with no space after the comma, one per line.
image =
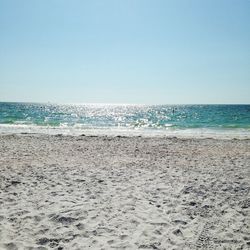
[119,104]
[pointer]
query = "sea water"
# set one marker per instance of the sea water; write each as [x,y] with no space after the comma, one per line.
[121,119]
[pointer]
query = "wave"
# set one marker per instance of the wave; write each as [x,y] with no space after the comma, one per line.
[78,129]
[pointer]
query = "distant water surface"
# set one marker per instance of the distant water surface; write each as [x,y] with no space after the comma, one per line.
[231,120]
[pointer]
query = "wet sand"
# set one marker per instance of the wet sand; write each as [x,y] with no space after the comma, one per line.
[83,192]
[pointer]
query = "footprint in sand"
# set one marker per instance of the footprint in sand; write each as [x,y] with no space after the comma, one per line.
[123,237]
[205,241]
[10,246]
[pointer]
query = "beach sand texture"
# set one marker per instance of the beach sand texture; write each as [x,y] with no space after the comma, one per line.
[65,192]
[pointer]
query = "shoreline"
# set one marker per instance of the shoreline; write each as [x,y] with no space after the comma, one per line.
[103,136]
[182,134]
[101,192]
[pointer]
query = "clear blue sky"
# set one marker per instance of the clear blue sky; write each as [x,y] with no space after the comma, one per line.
[125,51]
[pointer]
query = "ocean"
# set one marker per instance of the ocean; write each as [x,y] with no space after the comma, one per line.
[229,121]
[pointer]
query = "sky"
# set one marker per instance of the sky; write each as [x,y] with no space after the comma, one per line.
[125,51]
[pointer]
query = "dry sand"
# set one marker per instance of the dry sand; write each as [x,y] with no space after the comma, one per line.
[65,192]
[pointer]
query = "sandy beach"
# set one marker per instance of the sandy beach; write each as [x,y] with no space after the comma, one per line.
[85,192]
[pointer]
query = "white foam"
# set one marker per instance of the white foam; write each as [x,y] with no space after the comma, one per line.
[114,131]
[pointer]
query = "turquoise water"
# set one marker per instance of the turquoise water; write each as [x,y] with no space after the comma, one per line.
[96,117]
